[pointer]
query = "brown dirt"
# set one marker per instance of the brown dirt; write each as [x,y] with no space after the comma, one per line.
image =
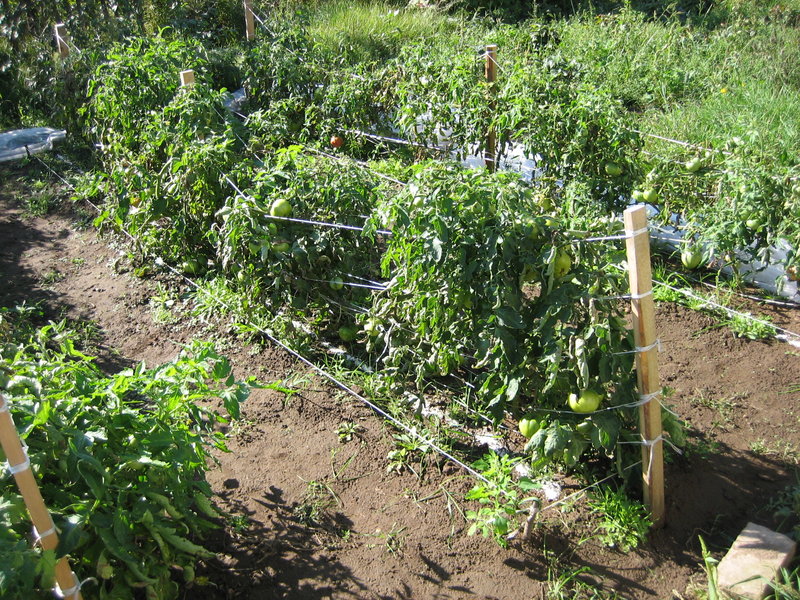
[382,535]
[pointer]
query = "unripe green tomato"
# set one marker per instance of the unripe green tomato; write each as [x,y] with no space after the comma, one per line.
[528,427]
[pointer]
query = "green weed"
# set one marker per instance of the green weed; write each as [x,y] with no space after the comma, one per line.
[624,523]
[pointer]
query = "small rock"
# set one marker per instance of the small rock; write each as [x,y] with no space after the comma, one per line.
[754,559]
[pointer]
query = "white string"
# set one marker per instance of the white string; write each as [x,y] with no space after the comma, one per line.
[606,238]
[642,295]
[243,196]
[23,466]
[73,593]
[729,311]
[38,537]
[348,283]
[637,349]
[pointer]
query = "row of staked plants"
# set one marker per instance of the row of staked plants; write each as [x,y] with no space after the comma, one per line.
[120,459]
[561,98]
[444,272]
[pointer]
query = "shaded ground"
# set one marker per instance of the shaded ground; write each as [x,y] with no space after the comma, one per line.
[316,517]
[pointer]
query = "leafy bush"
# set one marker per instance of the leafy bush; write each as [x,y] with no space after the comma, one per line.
[121,461]
[483,277]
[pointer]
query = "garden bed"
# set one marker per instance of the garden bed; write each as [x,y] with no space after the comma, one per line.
[316,516]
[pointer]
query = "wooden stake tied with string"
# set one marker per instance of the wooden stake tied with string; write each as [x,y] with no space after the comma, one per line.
[491,77]
[61,40]
[644,330]
[19,466]
[187,77]
[249,21]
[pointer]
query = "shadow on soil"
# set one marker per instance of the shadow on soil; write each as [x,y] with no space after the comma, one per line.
[23,286]
[290,555]
[712,494]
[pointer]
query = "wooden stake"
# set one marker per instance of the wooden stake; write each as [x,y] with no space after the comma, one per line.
[62,39]
[491,77]
[644,329]
[187,77]
[249,21]
[20,466]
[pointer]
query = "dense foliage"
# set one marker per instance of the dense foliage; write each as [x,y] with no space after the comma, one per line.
[120,460]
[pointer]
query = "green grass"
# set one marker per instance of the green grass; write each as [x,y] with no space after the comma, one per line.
[364,31]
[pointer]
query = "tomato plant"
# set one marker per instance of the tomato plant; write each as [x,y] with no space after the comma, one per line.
[121,460]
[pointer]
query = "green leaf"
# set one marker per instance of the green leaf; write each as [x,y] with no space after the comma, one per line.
[509,317]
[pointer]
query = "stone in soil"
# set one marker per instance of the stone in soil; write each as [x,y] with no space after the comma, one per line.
[755,558]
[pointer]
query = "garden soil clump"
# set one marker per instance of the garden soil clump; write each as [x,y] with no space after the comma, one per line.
[315,515]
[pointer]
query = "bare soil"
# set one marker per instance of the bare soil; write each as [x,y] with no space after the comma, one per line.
[315,517]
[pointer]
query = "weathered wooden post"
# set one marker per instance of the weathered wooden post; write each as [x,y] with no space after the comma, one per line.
[19,465]
[491,78]
[62,39]
[249,21]
[187,77]
[644,329]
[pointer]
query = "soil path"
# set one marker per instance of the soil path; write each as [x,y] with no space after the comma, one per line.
[318,517]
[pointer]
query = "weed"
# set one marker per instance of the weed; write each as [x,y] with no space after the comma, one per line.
[724,407]
[564,584]
[710,567]
[783,449]
[317,501]
[239,523]
[408,448]
[787,586]
[346,430]
[51,277]
[162,306]
[624,522]
[43,200]
[702,447]
[501,498]
[393,539]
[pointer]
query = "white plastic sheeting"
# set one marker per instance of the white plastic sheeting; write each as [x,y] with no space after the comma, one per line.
[21,142]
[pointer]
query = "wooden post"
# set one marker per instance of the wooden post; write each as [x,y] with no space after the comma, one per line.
[62,39]
[491,77]
[20,466]
[644,328]
[187,77]
[249,21]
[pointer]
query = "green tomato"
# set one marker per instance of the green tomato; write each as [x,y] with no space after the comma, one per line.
[693,165]
[563,264]
[281,208]
[637,195]
[691,257]
[191,266]
[347,333]
[372,327]
[753,224]
[613,169]
[584,427]
[650,196]
[336,283]
[528,427]
[585,402]
[281,247]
